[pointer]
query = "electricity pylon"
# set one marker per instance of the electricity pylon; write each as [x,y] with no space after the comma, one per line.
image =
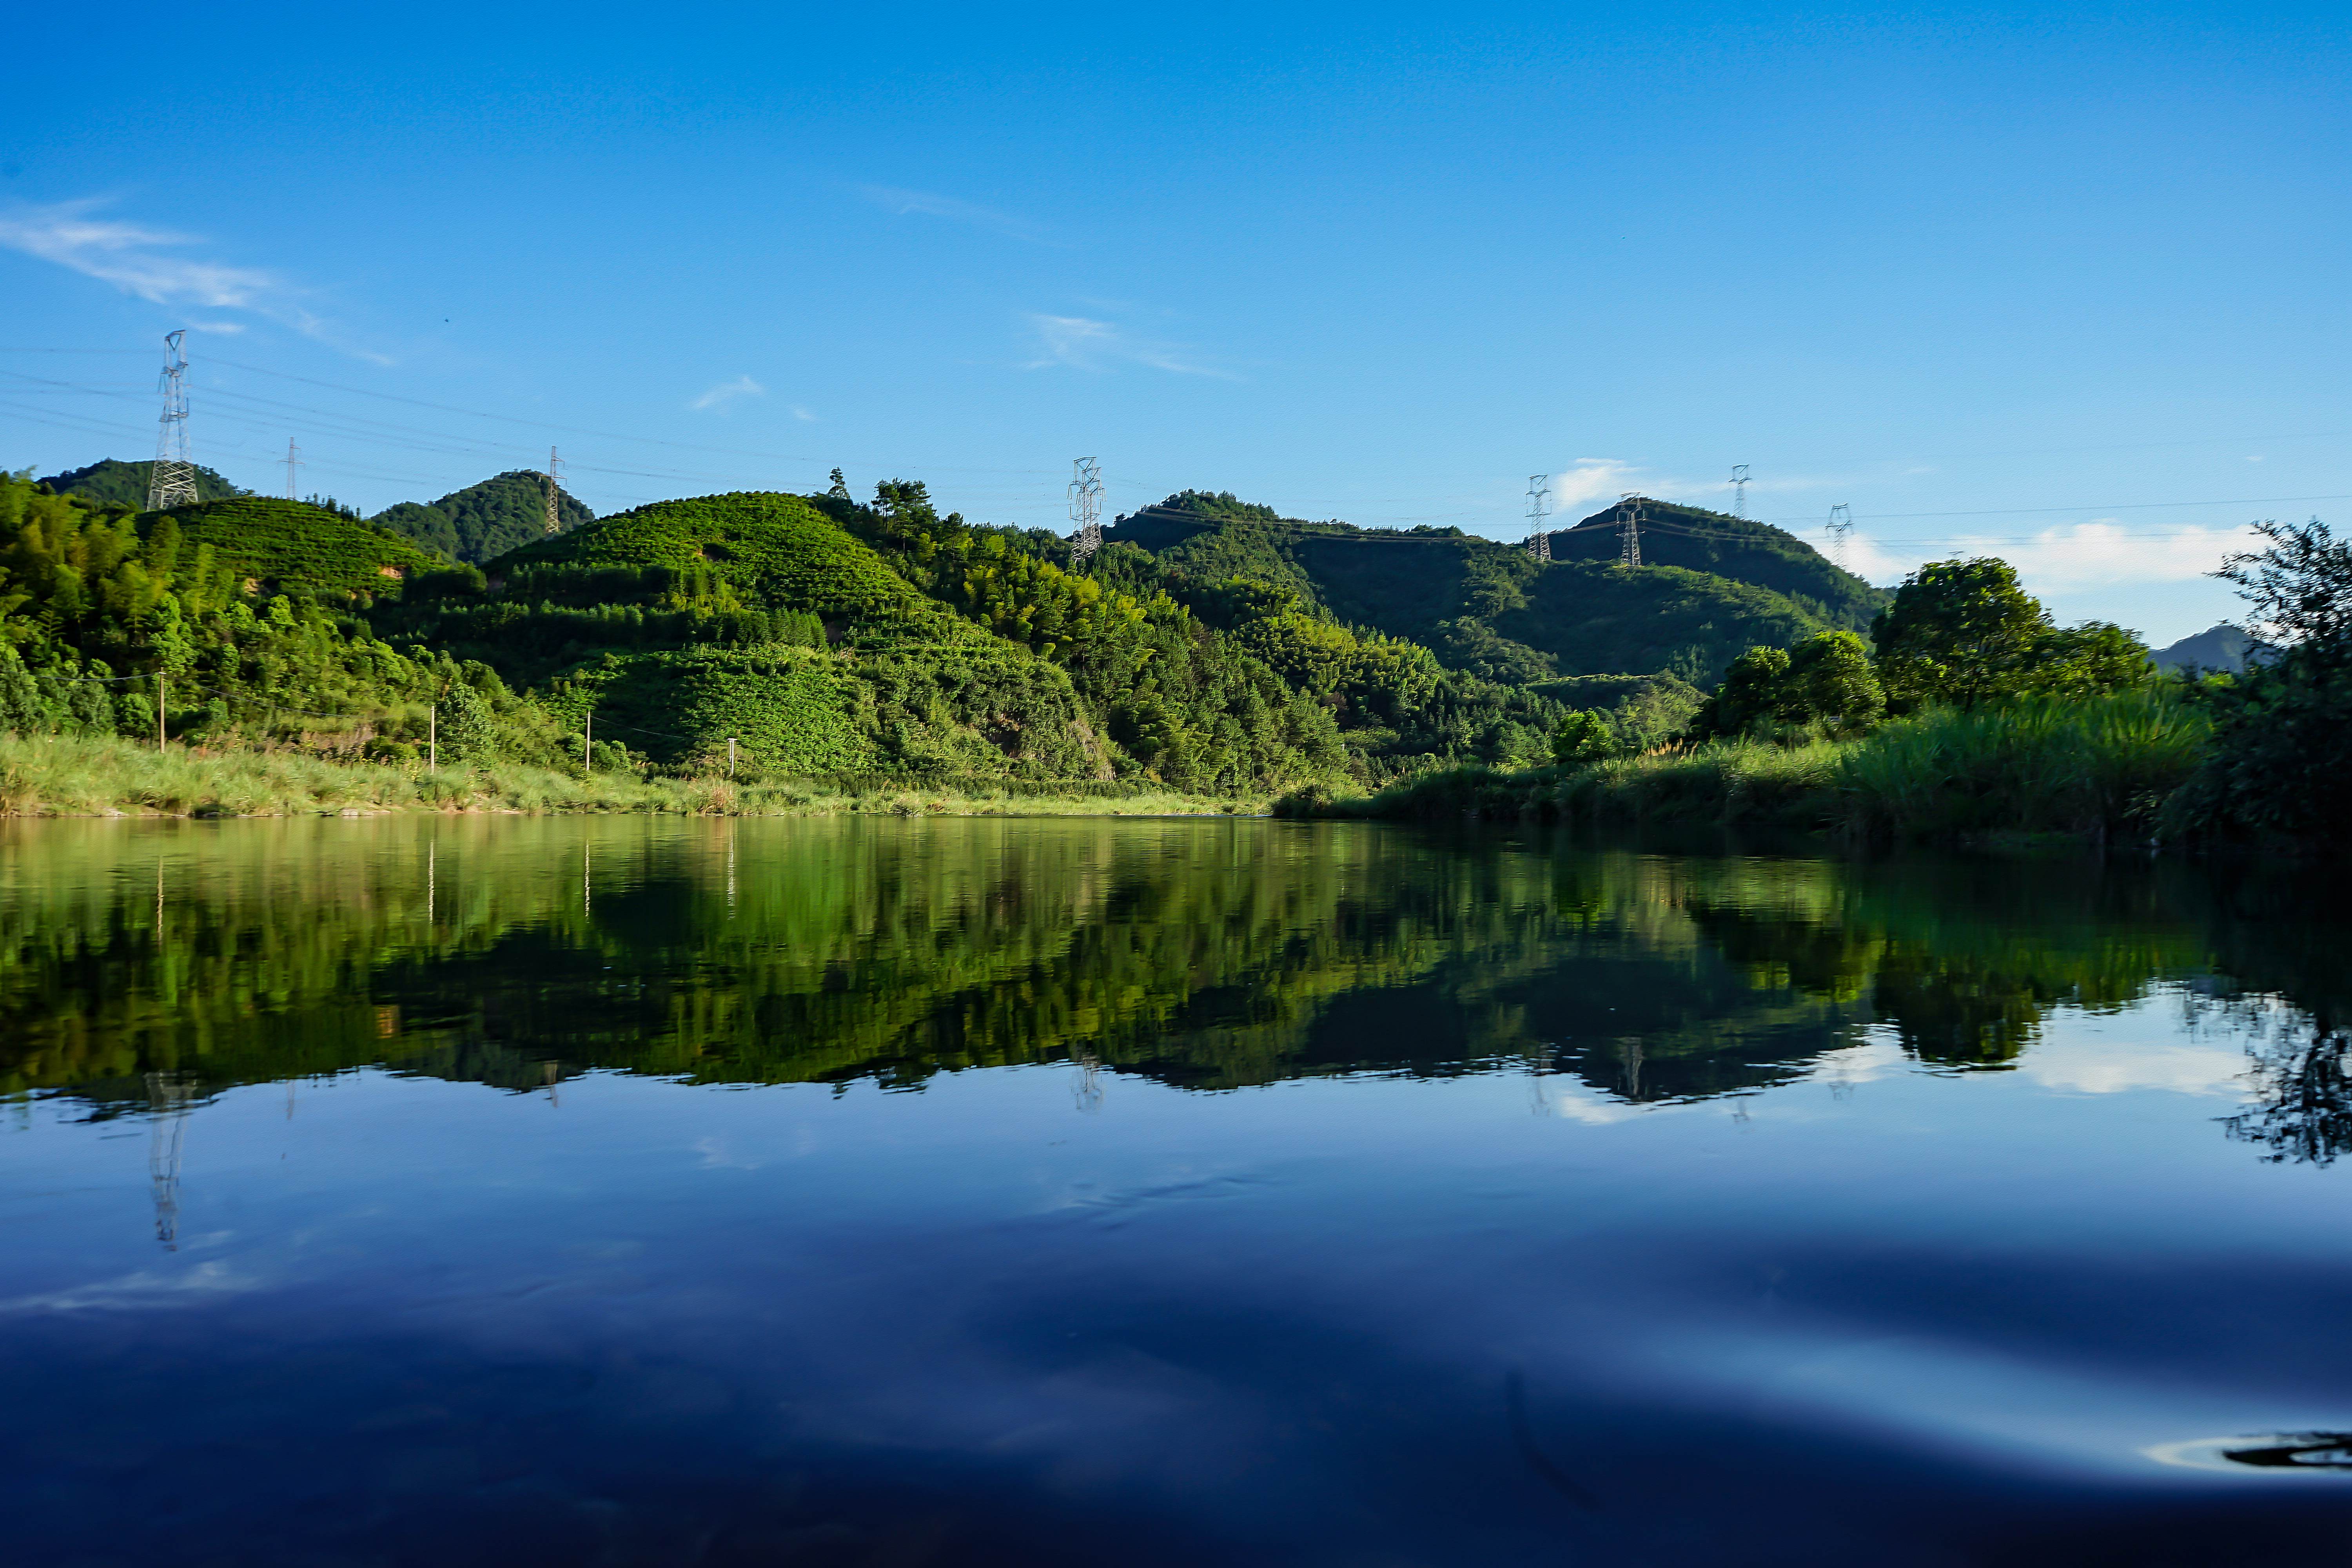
[1739,483]
[1538,505]
[1086,509]
[292,463]
[172,480]
[1840,524]
[554,478]
[1628,528]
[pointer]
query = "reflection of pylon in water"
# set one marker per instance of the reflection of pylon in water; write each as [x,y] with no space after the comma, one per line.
[1538,1064]
[167,1099]
[1629,1053]
[549,1071]
[1086,1090]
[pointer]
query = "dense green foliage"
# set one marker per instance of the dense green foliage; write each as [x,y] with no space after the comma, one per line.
[2282,759]
[486,519]
[1963,631]
[1491,610]
[113,483]
[1825,685]
[299,548]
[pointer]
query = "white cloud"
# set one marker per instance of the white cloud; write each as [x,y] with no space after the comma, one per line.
[1591,480]
[2093,1066]
[891,199]
[144,1291]
[2104,553]
[1085,343]
[800,413]
[727,392]
[139,261]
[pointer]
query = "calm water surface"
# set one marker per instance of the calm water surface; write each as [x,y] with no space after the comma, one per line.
[1126,1192]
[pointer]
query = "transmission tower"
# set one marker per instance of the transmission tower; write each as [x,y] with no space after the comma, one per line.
[1086,509]
[172,480]
[1840,524]
[1739,483]
[292,463]
[1629,528]
[554,482]
[1538,505]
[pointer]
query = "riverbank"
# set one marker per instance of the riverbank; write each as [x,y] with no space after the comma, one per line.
[103,776]
[2100,768]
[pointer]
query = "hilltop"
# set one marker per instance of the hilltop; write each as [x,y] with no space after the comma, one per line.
[1741,549]
[114,482]
[486,519]
[293,545]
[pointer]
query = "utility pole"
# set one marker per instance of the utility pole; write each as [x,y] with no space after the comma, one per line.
[292,463]
[731,756]
[433,740]
[1628,528]
[1539,504]
[588,746]
[554,480]
[1086,509]
[1840,524]
[161,682]
[1739,483]
[172,480]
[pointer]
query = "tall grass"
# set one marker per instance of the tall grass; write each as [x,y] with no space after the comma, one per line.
[2095,765]
[94,776]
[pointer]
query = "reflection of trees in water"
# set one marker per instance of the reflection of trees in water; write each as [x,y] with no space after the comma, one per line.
[2302,1107]
[1209,956]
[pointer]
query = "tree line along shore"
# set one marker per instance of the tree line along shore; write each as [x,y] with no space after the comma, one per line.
[763,652]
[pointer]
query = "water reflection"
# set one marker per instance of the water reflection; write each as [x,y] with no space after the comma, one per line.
[145,966]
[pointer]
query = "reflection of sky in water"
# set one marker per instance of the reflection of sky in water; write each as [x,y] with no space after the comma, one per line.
[1817,1297]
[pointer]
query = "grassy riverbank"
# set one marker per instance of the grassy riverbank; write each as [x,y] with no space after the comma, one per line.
[86,777]
[2099,767]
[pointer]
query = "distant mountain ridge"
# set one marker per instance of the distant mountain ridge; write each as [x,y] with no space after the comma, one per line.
[2222,647]
[1490,609]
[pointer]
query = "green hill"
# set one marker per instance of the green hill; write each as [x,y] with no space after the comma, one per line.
[113,483]
[486,520]
[294,545]
[1484,607]
[1738,548]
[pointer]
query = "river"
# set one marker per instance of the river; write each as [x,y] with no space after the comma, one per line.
[625,1191]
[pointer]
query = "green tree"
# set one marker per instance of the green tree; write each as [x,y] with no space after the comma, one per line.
[1958,631]
[1584,736]
[1830,682]
[1750,698]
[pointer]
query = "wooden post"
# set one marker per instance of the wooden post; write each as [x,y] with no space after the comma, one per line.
[160,684]
[433,740]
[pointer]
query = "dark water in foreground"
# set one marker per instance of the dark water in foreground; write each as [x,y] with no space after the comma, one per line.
[1144,1192]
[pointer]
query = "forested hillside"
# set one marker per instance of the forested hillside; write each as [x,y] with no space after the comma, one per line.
[1490,609]
[1738,548]
[1210,646]
[114,482]
[485,520]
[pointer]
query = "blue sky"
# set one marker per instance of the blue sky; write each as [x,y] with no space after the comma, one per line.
[2064,287]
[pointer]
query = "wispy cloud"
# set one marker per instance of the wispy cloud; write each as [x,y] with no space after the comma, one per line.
[727,392]
[143,261]
[929,204]
[800,413]
[1082,342]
